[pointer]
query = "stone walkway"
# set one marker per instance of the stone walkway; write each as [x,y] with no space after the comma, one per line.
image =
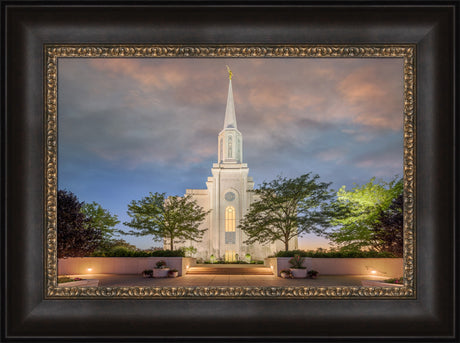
[123,280]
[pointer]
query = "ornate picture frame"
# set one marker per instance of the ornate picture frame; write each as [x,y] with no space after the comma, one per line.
[33,309]
[405,52]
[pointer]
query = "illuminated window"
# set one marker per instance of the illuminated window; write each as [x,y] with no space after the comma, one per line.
[230,256]
[230,219]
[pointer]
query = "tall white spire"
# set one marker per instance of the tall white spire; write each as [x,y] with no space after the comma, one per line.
[230,117]
[230,139]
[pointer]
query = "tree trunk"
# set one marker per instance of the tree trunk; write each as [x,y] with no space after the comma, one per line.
[286,245]
[172,243]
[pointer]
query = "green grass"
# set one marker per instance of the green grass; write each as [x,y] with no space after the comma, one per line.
[64,279]
[398,281]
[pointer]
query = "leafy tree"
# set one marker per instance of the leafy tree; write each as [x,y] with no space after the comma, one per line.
[358,212]
[107,246]
[285,208]
[175,219]
[101,219]
[76,237]
[388,231]
[190,251]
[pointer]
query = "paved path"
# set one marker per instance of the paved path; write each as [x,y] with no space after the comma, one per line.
[122,280]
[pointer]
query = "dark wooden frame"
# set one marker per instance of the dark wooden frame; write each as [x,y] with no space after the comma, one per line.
[29,25]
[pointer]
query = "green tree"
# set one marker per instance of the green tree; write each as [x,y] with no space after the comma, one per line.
[358,212]
[108,245]
[285,208]
[173,218]
[76,237]
[101,219]
[388,231]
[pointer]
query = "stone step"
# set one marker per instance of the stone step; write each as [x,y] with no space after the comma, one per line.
[229,271]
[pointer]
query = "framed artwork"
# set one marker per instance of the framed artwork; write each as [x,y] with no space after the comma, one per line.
[59,134]
[162,64]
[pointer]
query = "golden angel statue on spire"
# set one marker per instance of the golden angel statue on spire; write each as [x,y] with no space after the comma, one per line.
[229,72]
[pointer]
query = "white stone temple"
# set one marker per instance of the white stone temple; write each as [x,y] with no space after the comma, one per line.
[228,199]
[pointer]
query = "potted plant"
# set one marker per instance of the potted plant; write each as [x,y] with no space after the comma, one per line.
[313,274]
[173,273]
[161,270]
[147,273]
[297,269]
[286,274]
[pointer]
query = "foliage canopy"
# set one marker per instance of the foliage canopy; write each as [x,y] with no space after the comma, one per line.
[284,208]
[173,218]
[76,237]
[359,213]
[101,218]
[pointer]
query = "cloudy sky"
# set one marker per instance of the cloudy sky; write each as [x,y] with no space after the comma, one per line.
[130,126]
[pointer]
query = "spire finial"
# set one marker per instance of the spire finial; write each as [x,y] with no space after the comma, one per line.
[229,72]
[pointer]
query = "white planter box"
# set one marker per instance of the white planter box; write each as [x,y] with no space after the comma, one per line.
[160,272]
[298,273]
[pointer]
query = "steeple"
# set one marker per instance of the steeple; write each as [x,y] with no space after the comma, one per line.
[230,139]
[230,118]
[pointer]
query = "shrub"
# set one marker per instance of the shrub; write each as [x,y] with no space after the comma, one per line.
[64,279]
[334,254]
[399,280]
[229,262]
[161,264]
[287,272]
[297,261]
[167,253]
[148,272]
[312,273]
[125,252]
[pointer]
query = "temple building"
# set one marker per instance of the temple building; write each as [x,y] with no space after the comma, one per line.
[228,199]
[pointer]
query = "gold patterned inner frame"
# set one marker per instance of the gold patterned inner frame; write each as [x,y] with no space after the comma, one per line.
[54,52]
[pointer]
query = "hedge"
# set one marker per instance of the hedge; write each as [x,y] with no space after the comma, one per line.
[335,254]
[124,252]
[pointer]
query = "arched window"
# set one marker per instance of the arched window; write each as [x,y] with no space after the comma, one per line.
[230,225]
[230,219]
[229,147]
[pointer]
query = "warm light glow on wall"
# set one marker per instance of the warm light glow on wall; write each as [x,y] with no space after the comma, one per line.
[90,269]
[373,272]
[230,256]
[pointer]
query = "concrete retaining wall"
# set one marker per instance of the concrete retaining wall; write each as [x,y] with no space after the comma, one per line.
[389,267]
[119,265]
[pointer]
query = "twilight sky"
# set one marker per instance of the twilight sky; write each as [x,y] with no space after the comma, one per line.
[130,126]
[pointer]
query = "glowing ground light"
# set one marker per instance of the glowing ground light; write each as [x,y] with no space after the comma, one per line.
[90,269]
[373,272]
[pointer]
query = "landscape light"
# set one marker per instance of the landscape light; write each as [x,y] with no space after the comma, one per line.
[373,272]
[90,269]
